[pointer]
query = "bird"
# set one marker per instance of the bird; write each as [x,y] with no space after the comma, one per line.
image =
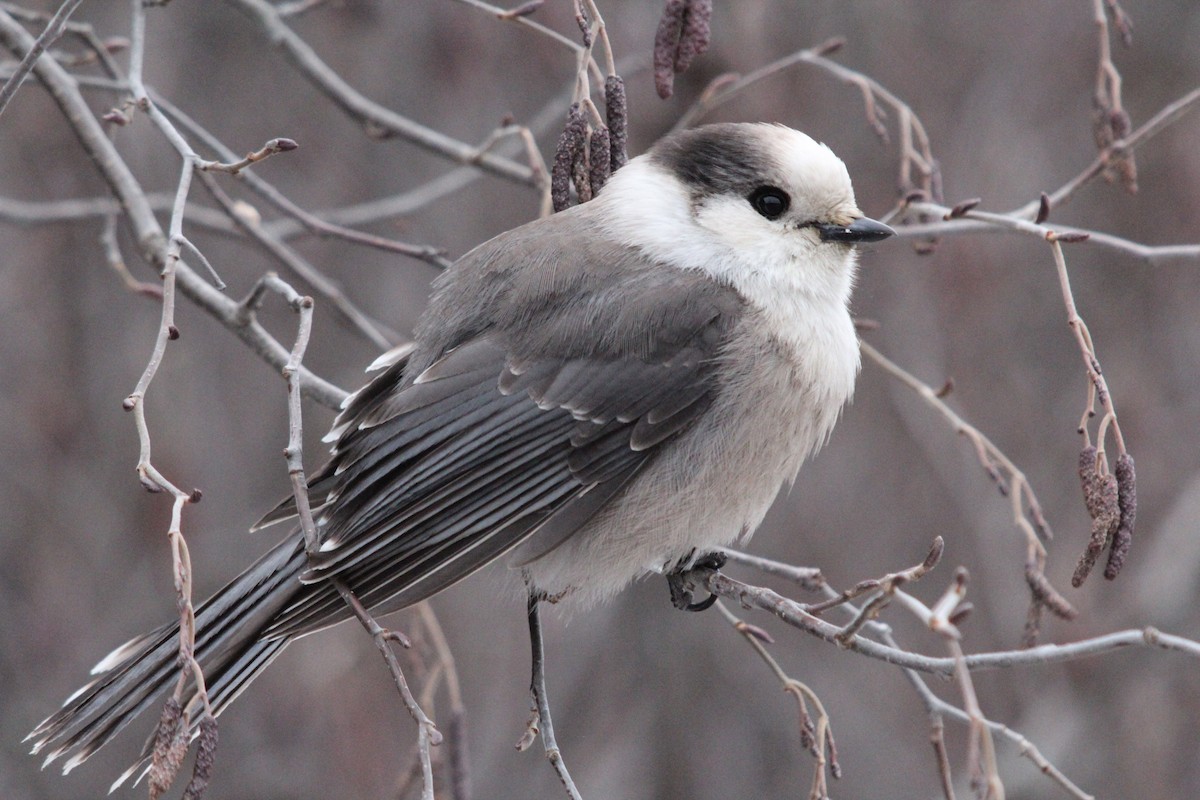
[615,390]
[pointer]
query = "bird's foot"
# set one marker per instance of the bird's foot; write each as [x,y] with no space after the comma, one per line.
[681,580]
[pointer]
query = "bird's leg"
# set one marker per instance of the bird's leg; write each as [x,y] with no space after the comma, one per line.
[540,717]
[680,580]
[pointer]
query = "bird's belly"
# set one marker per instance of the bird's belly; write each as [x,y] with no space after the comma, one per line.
[710,487]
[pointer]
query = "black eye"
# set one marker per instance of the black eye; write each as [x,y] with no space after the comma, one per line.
[770,201]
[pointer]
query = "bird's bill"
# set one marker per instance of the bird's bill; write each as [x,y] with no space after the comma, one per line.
[861,231]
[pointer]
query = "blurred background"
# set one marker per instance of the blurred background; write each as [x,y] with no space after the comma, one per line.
[649,702]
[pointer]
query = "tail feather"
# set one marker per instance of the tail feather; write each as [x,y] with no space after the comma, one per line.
[94,715]
[144,671]
[120,655]
[222,691]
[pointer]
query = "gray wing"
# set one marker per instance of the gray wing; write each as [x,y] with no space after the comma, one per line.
[500,440]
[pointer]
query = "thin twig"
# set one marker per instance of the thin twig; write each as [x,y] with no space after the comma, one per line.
[935,706]
[793,614]
[294,452]
[295,8]
[1097,387]
[524,21]
[821,736]
[1165,117]
[540,721]
[1026,510]
[48,36]
[456,730]
[938,740]
[311,222]
[1011,223]
[378,119]
[402,204]
[112,252]
[373,330]
[204,262]
[284,254]
[1088,351]
[809,578]
[1111,120]
[887,585]
[427,732]
[165,768]
[140,215]
[271,148]
[981,752]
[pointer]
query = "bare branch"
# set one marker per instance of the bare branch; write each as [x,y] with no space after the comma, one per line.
[456,734]
[47,37]
[294,452]
[809,578]
[1027,513]
[272,147]
[979,222]
[427,732]
[374,331]
[147,232]
[1167,115]
[819,738]
[793,614]
[379,120]
[937,739]
[521,15]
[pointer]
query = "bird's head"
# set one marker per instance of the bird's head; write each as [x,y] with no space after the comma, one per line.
[738,197]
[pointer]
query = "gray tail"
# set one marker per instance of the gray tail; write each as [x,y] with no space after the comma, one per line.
[144,671]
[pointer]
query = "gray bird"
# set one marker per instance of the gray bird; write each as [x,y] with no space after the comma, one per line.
[617,389]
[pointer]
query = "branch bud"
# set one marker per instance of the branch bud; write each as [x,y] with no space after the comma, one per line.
[616,114]
[570,142]
[666,42]
[1043,212]
[962,208]
[599,159]
[1127,502]
[170,746]
[205,757]
[696,33]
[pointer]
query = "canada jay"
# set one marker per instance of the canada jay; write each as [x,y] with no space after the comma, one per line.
[619,388]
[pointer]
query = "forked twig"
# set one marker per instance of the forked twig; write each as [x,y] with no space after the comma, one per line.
[818,738]
[1027,513]
[427,732]
[50,34]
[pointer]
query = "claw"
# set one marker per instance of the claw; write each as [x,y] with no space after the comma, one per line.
[681,586]
[703,605]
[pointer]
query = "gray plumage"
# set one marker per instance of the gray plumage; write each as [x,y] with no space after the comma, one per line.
[596,394]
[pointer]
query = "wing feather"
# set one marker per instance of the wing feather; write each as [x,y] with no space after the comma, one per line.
[505,438]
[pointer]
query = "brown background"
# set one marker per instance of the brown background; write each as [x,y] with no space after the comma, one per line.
[650,702]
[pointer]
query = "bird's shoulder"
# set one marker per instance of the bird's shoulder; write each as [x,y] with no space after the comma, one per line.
[560,288]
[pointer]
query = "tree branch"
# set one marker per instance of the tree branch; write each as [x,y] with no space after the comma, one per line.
[140,215]
[378,119]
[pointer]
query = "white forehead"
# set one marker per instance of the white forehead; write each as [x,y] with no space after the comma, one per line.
[813,170]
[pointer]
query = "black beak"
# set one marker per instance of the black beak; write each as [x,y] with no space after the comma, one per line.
[861,231]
